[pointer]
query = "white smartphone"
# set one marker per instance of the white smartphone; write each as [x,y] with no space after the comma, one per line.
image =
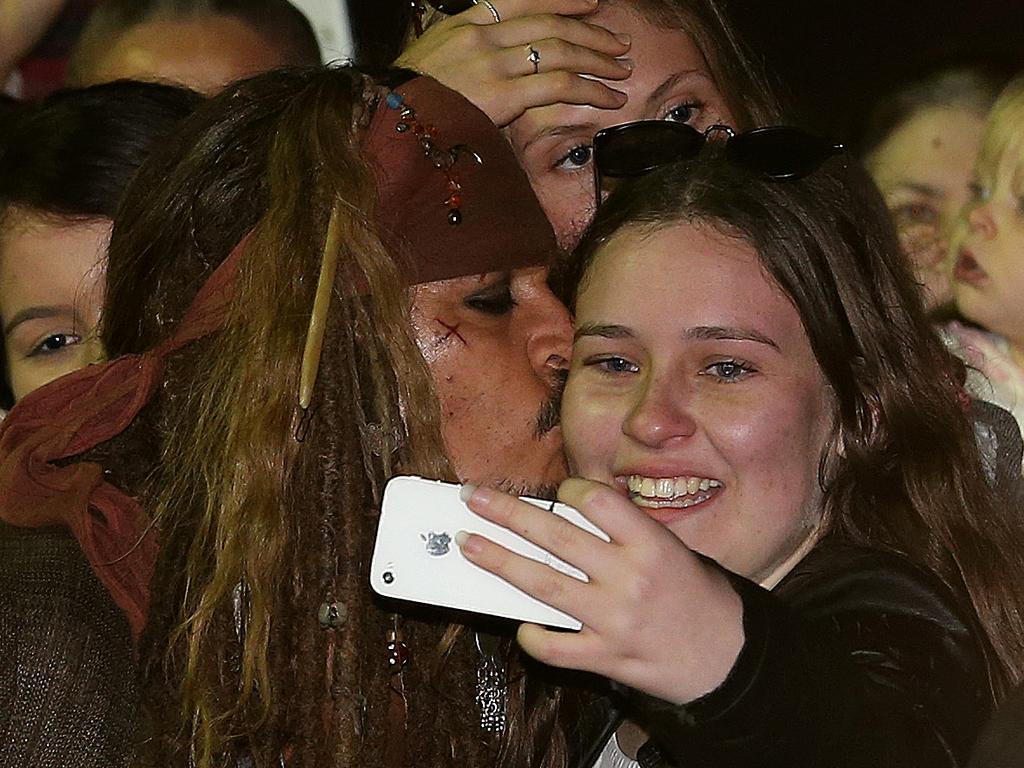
[416,558]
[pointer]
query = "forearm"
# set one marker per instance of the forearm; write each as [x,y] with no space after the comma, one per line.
[797,699]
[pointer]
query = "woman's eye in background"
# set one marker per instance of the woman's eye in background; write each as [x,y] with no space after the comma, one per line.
[915,213]
[55,342]
[682,113]
[577,157]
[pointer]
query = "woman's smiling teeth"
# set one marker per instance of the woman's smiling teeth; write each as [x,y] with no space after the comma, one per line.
[670,491]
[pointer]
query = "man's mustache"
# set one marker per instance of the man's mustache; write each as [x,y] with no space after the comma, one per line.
[550,415]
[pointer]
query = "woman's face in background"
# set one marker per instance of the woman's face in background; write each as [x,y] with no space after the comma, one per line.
[693,390]
[51,293]
[924,169]
[671,80]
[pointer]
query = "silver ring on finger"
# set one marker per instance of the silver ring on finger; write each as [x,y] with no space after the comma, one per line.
[534,58]
[490,7]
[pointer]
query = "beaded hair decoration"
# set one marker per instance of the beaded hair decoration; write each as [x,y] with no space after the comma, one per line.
[442,159]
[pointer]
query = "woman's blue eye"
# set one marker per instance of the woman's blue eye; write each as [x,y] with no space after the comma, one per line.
[575,158]
[682,113]
[729,371]
[55,343]
[617,365]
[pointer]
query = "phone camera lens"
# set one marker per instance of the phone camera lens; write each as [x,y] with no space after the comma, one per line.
[388,577]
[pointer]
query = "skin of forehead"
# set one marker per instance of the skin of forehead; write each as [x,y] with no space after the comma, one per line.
[910,153]
[203,52]
[651,46]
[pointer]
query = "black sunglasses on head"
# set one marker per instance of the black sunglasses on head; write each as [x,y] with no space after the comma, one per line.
[779,152]
[451,7]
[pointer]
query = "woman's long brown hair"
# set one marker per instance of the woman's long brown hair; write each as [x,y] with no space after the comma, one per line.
[264,512]
[904,473]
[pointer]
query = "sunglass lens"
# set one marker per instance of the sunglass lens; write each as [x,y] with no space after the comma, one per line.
[781,152]
[635,148]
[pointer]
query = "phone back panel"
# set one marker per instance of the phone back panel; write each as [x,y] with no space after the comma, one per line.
[416,558]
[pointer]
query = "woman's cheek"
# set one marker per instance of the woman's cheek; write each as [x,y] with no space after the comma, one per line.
[590,432]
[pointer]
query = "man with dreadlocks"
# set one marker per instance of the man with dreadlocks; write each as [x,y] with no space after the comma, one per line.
[321,282]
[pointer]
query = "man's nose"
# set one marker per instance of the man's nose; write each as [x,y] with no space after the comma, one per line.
[550,344]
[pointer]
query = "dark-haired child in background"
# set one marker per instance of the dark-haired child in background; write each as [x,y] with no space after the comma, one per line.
[64,166]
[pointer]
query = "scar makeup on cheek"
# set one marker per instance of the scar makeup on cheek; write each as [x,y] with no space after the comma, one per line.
[450,331]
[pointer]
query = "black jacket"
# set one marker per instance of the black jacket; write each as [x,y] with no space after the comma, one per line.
[857,659]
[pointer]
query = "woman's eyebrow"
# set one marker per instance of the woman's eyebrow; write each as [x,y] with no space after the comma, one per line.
[37,313]
[572,129]
[927,190]
[658,94]
[727,333]
[604,330]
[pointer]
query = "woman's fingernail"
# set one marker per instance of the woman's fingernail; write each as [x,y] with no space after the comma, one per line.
[466,492]
[467,544]
[626,64]
[623,38]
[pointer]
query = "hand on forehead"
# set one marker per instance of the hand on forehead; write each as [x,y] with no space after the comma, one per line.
[670,80]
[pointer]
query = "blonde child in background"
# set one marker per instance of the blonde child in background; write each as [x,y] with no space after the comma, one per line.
[988,266]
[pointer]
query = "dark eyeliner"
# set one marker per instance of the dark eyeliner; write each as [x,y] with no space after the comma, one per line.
[495,299]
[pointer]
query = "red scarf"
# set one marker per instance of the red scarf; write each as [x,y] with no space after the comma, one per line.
[77,412]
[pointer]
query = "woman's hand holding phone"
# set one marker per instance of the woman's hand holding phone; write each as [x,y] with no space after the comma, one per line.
[655,617]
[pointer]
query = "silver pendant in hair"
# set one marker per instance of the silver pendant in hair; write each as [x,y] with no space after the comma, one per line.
[491,684]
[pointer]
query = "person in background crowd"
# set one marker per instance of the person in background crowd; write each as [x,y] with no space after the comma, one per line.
[202,44]
[806,564]
[35,36]
[919,143]
[64,166]
[677,60]
[988,259]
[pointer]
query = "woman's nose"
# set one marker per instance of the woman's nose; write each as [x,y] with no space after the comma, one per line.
[662,413]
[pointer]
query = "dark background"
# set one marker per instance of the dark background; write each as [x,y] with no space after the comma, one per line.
[835,56]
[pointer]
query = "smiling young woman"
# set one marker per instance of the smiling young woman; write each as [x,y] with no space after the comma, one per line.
[807,565]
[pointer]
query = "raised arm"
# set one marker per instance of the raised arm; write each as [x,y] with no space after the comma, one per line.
[23,24]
